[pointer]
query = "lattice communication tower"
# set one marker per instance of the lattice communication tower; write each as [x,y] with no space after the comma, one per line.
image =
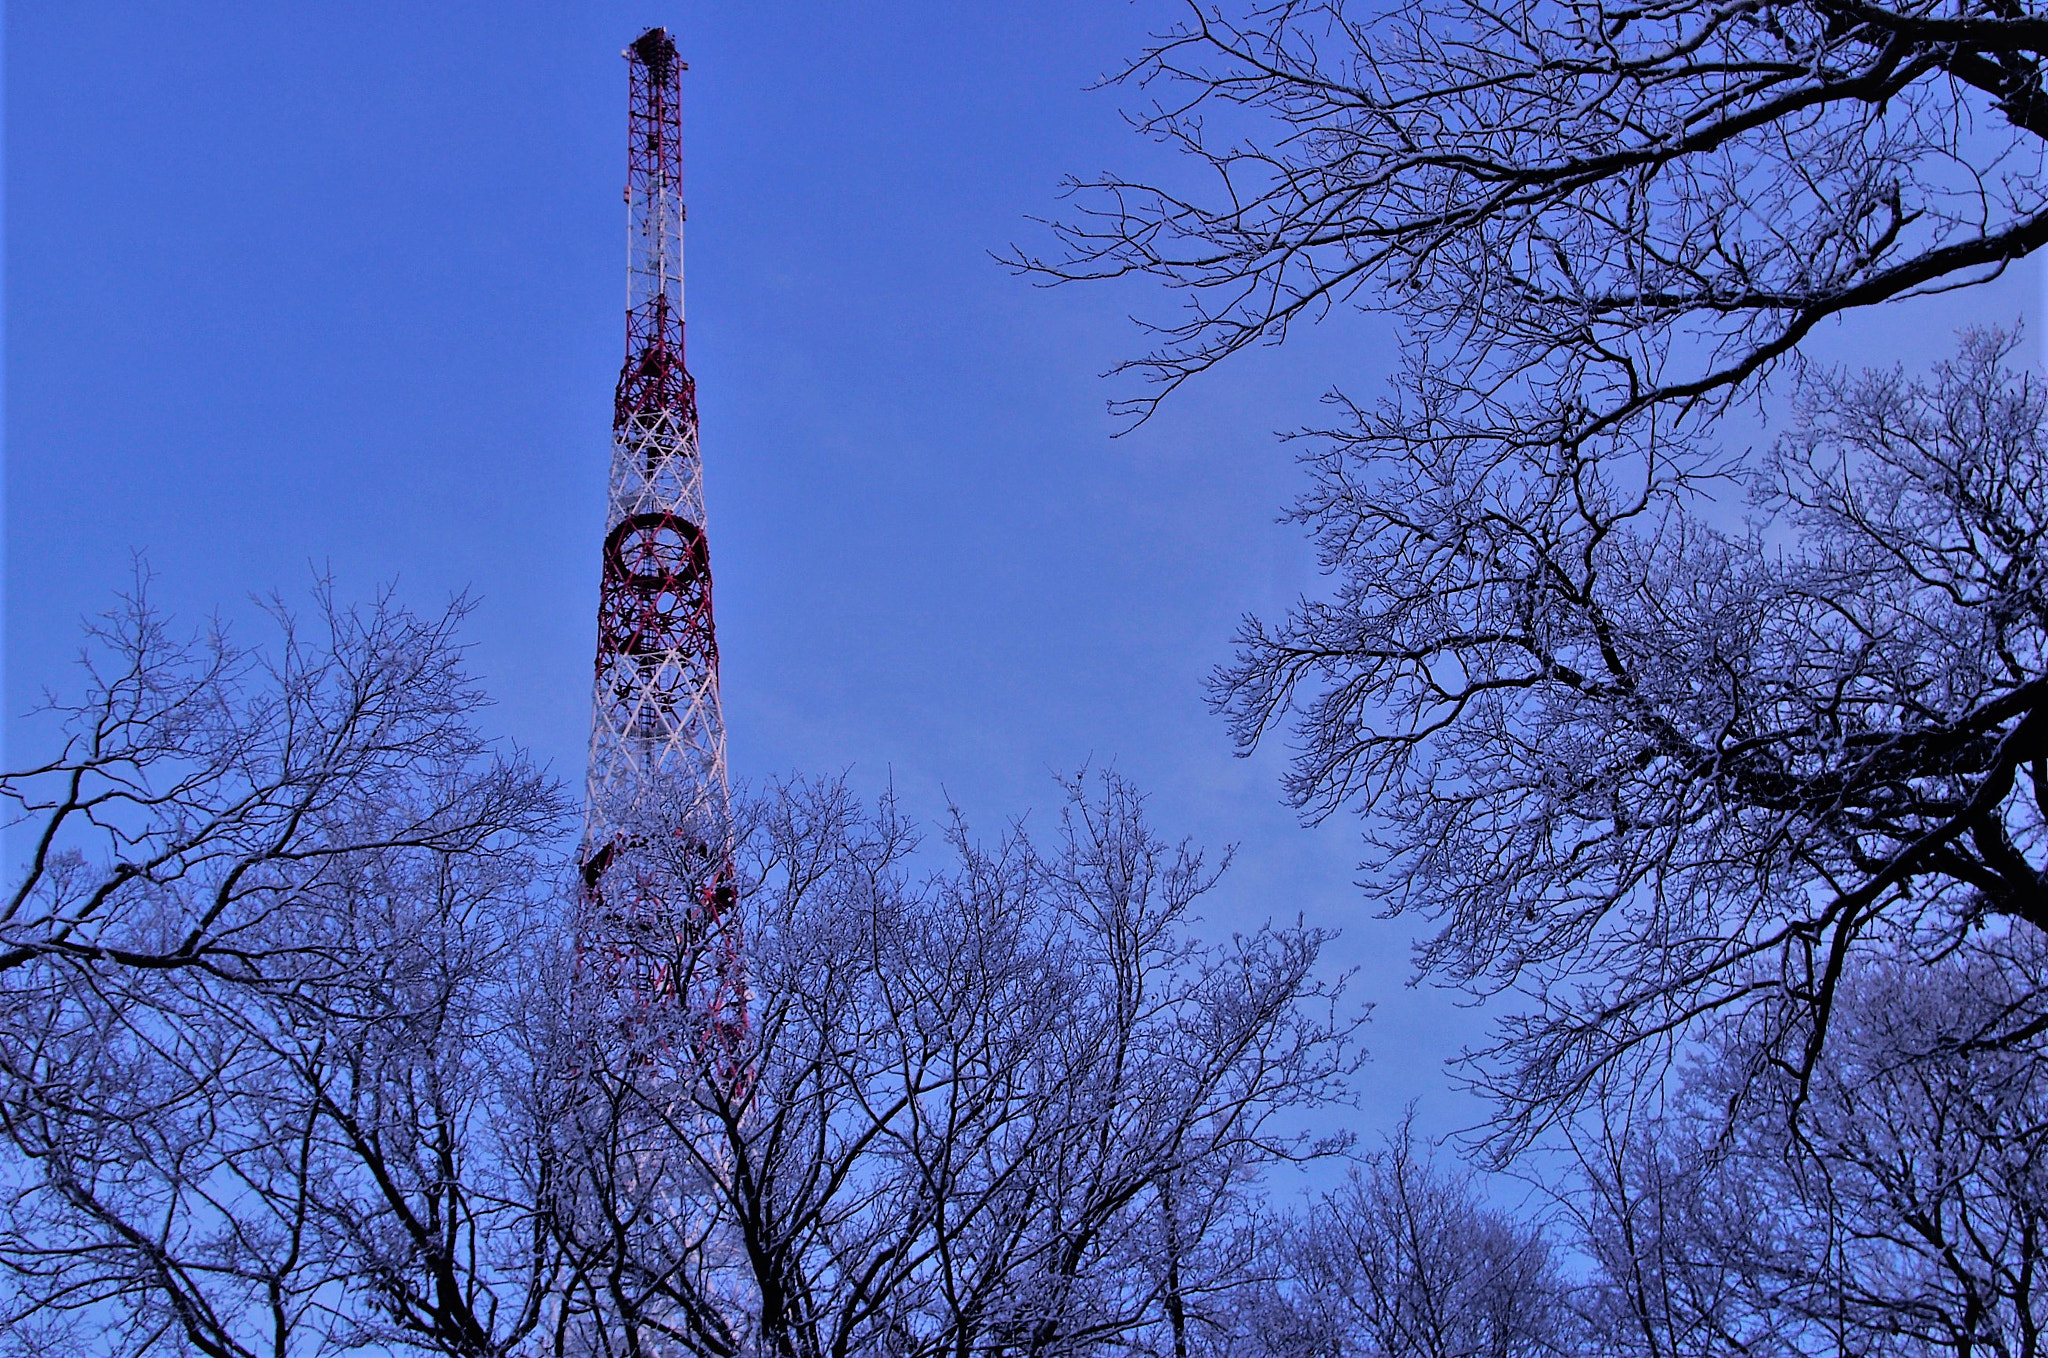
[658,918]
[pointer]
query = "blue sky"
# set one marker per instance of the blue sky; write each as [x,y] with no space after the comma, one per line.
[339,286]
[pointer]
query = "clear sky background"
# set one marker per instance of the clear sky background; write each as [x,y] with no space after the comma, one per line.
[339,286]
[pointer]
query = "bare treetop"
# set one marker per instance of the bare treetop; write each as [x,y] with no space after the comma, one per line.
[1645,770]
[1607,206]
[1645,766]
[300,1054]
[206,796]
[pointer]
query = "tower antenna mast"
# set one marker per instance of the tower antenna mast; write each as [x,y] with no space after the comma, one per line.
[657,915]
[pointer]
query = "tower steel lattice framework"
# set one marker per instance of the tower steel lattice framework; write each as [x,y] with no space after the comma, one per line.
[658,918]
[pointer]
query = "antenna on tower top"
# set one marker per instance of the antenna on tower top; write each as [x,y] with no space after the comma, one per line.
[656,50]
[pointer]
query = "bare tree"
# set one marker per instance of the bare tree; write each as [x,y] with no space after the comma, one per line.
[1647,768]
[301,1056]
[1894,1203]
[1005,1107]
[1639,761]
[202,793]
[1646,765]
[1904,1213]
[1407,1260]
[1589,210]
[252,1017]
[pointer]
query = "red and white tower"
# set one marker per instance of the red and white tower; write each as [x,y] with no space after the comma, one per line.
[657,841]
